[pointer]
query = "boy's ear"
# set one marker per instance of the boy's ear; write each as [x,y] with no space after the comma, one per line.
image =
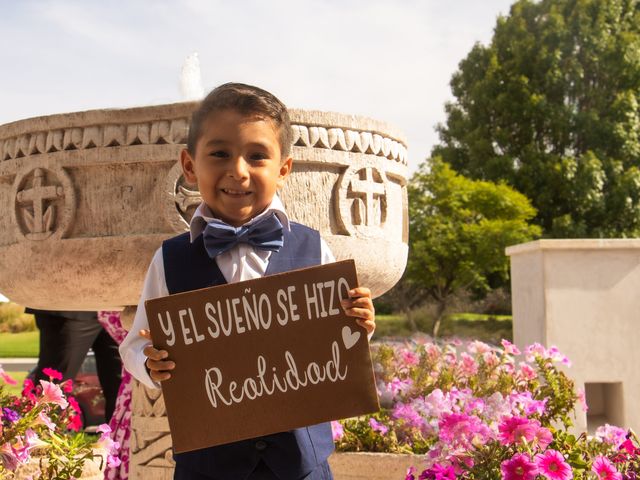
[285,170]
[188,165]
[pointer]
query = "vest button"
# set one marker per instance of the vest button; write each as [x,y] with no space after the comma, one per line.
[261,445]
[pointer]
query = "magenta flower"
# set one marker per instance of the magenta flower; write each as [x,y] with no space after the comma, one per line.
[378,427]
[336,430]
[515,429]
[410,474]
[463,430]
[519,467]
[52,374]
[542,437]
[553,466]
[408,414]
[604,469]
[51,393]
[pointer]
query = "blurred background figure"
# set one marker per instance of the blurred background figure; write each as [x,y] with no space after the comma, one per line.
[65,339]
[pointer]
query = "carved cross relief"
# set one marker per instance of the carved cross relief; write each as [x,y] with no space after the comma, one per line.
[362,201]
[44,203]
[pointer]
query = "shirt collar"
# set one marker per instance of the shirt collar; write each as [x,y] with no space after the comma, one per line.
[203,215]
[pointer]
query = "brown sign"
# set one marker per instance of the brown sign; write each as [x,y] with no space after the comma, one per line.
[262,356]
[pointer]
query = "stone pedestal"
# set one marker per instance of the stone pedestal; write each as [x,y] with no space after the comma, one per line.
[88,197]
[582,296]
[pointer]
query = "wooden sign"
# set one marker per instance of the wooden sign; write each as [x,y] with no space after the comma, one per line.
[262,356]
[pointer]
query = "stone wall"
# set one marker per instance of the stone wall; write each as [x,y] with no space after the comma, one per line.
[582,296]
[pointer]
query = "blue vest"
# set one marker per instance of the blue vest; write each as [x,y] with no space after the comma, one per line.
[290,455]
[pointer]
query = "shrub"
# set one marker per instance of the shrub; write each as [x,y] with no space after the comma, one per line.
[14,320]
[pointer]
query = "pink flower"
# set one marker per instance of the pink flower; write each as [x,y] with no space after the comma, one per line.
[6,377]
[542,437]
[478,347]
[582,399]
[410,474]
[463,430]
[107,443]
[611,434]
[43,419]
[408,414]
[378,427]
[67,387]
[409,358]
[337,430]
[526,372]
[553,466]
[52,374]
[468,365]
[8,457]
[51,393]
[510,348]
[519,467]
[604,469]
[514,429]
[73,403]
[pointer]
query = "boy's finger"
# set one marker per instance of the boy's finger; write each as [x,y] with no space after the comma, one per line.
[363,313]
[369,325]
[363,302]
[154,354]
[145,334]
[159,376]
[160,366]
[360,292]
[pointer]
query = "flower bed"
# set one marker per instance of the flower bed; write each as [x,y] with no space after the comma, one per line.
[38,434]
[475,411]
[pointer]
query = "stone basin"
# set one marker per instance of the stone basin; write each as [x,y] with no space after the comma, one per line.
[88,197]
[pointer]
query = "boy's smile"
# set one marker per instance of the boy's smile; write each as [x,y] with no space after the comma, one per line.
[237,165]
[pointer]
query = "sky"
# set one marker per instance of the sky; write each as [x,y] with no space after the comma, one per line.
[389,60]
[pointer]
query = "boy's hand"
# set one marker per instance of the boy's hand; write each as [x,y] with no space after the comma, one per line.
[156,364]
[360,306]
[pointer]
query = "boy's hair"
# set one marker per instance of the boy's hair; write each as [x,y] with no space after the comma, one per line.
[247,100]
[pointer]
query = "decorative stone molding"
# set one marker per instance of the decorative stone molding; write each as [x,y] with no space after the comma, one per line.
[164,132]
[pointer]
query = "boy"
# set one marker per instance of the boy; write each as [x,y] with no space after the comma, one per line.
[238,155]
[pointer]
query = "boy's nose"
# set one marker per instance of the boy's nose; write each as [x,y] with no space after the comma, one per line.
[238,168]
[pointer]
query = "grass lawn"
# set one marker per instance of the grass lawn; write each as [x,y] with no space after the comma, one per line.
[19,344]
[18,377]
[488,328]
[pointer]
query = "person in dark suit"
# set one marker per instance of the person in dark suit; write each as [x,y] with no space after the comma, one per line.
[65,339]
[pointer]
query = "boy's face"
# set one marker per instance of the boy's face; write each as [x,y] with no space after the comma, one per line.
[237,165]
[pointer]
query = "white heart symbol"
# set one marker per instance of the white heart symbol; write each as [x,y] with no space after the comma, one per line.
[349,338]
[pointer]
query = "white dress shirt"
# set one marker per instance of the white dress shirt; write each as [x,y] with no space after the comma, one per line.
[242,262]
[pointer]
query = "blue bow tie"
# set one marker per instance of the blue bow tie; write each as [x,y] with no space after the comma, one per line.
[265,234]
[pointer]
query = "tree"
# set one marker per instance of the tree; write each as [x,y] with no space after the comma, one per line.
[459,229]
[552,107]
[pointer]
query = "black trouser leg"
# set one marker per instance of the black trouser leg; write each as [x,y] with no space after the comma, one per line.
[109,368]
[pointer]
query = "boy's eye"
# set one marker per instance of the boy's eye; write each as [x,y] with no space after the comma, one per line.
[219,154]
[258,156]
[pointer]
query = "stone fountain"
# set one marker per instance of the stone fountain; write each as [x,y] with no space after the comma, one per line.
[88,197]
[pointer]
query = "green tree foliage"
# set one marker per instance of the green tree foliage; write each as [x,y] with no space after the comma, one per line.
[552,107]
[459,229]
